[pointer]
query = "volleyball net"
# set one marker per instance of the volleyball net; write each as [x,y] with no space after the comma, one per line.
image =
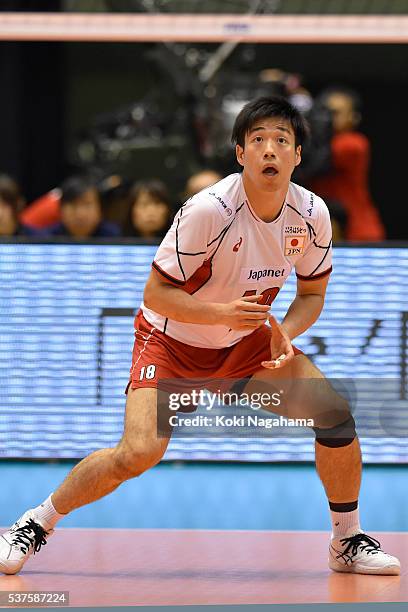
[203,28]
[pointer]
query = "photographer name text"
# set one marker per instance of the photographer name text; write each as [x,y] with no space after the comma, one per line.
[177,420]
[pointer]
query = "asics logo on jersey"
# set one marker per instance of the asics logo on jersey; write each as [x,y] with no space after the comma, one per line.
[310,209]
[237,245]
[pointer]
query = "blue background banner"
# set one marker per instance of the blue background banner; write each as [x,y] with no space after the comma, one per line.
[66,337]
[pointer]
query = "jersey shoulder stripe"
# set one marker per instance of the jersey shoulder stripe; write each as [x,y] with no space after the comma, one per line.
[315,276]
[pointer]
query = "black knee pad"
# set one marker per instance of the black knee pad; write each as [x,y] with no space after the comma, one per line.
[340,435]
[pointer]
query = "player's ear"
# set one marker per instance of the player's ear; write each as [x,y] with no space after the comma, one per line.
[239,152]
[298,155]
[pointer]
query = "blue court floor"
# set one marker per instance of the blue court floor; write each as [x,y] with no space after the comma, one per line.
[212,496]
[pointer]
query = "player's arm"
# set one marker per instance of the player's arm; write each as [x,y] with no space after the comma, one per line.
[312,271]
[170,300]
[302,313]
[306,307]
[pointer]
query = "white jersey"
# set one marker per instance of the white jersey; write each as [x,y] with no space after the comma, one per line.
[219,250]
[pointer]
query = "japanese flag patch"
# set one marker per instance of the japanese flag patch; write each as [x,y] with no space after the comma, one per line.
[294,245]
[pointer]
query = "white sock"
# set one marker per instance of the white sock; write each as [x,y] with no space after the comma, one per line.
[343,522]
[47,514]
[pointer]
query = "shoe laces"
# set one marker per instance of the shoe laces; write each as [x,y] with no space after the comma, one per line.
[361,541]
[29,535]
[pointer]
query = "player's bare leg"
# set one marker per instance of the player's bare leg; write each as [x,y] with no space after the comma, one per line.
[94,477]
[103,471]
[338,463]
[340,470]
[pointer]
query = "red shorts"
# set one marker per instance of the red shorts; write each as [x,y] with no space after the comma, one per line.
[158,357]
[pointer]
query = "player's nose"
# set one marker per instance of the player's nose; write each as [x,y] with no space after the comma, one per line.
[269,150]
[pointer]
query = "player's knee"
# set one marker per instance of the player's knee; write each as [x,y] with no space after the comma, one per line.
[338,434]
[133,460]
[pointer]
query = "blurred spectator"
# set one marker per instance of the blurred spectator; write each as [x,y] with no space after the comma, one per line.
[11,202]
[316,151]
[347,181]
[150,210]
[44,211]
[114,194]
[200,180]
[81,211]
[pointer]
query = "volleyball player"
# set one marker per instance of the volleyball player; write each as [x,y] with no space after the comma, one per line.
[230,249]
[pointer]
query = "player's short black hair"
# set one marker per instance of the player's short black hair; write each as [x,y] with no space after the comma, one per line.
[264,108]
[75,186]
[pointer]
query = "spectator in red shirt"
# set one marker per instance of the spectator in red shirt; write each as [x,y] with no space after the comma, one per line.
[347,182]
[44,211]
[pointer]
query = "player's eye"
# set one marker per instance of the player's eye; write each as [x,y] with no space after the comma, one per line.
[258,139]
[282,140]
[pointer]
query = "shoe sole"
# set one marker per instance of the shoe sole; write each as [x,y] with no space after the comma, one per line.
[390,570]
[8,571]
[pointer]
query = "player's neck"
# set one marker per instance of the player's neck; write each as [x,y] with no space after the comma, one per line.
[266,204]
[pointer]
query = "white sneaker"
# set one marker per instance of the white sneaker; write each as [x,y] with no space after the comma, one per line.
[25,537]
[359,553]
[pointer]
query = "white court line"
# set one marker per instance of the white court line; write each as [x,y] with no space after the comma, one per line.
[199,529]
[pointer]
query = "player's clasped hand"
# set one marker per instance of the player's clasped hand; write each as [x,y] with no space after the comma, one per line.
[281,346]
[245,313]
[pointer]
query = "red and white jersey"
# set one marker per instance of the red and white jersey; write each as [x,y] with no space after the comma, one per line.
[219,250]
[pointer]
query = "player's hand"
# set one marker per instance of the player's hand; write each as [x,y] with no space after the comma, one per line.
[281,347]
[244,313]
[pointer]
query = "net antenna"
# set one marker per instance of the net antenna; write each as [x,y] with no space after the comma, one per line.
[222,53]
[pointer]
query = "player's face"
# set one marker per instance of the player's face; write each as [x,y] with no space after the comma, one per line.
[270,154]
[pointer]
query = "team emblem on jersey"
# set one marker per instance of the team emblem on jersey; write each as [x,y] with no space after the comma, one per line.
[294,245]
